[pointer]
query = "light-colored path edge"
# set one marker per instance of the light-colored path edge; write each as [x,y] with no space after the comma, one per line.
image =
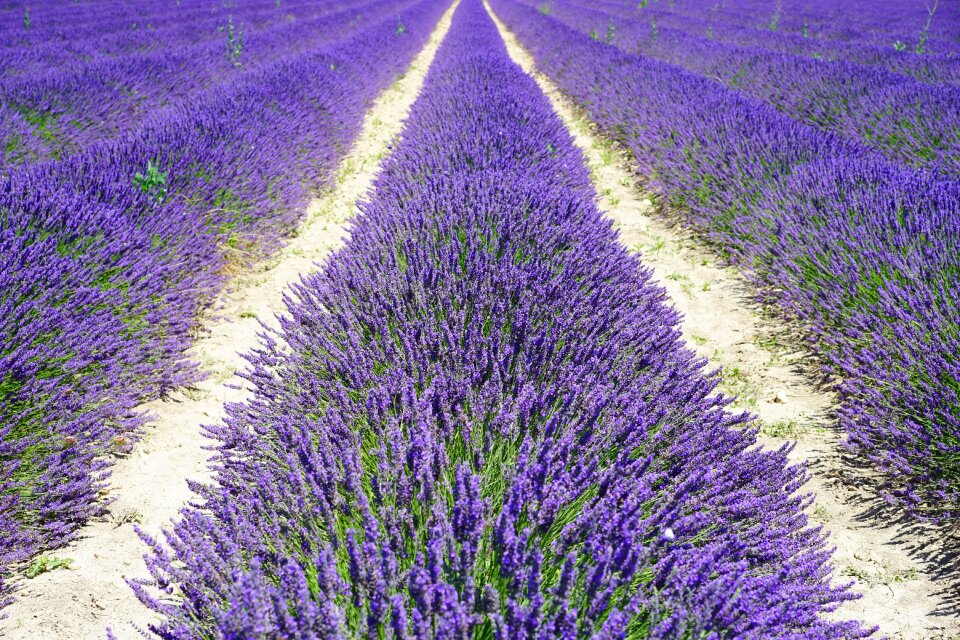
[771,379]
[149,486]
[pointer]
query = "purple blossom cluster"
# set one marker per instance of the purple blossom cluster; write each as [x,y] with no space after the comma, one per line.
[108,256]
[910,122]
[866,253]
[479,420]
[110,88]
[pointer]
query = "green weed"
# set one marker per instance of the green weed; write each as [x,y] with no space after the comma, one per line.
[925,33]
[44,564]
[234,42]
[152,182]
[781,429]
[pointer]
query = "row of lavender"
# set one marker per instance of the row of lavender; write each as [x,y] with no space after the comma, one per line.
[855,22]
[865,252]
[912,49]
[915,38]
[104,264]
[59,111]
[910,122]
[860,22]
[59,33]
[480,421]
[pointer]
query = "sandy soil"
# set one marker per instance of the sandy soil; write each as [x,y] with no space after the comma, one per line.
[905,571]
[149,486]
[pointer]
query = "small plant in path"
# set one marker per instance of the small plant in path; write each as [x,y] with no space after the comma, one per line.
[44,564]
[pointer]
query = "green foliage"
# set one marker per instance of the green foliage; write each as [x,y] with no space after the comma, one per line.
[47,563]
[774,23]
[899,45]
[12,147]
[611,32]
[234,42]
[401,29]
[921,47]
[545,9]
[153,182]
[26,17]
[45,125]
[925,34]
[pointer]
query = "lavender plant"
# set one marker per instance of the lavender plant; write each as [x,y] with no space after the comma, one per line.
[479,420]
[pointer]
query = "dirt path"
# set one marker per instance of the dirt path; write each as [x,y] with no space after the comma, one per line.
[906,587]
[149,486]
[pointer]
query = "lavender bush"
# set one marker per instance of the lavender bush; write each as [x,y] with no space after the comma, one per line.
[107,257]
[480,421]
[861,250]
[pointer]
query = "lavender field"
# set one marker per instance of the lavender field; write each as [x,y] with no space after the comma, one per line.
[479,319]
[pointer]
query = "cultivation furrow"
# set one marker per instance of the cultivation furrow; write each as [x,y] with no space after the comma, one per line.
[863,252]
[909,122]
[479,421]
[904,593]
[105,262]
[150,485]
